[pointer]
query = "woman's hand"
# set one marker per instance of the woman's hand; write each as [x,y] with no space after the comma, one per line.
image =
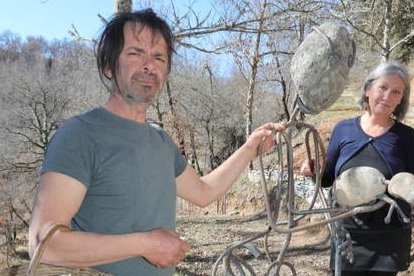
[308,168]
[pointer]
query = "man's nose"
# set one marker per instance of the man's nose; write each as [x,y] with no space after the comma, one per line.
[148,64]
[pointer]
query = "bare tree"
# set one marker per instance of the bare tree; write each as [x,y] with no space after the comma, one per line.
[40,113]
[379,26]
[46,83]
[254,67]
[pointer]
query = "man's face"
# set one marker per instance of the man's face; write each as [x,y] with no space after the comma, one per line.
[142,64]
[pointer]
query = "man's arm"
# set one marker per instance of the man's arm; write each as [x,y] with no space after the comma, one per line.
[57,201]
[203,191]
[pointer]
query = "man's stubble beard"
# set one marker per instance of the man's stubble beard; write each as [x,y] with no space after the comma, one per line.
[140,96]
[134,97]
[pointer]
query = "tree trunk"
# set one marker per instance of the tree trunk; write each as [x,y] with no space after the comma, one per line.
[210,139]
[252,79]
[387,27]
[194,157]
[123,6]
[177,130]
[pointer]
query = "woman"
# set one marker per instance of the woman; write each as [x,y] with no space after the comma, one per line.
[376,139]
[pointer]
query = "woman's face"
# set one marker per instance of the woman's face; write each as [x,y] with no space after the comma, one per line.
[385,94]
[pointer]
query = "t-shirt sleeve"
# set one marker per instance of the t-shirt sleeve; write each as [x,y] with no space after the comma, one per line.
[180,162]
[69,152]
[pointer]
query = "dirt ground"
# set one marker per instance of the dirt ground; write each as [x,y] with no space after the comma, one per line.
[308,251]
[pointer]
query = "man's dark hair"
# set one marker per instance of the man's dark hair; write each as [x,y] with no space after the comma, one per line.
[111,41]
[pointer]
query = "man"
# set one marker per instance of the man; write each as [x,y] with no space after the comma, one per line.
[113,177]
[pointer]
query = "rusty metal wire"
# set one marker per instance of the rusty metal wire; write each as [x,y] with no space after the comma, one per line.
[319,79]
[333,216]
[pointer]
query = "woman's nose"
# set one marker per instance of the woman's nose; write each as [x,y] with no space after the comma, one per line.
[387,94]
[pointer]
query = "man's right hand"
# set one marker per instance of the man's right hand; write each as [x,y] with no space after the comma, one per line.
[167,249]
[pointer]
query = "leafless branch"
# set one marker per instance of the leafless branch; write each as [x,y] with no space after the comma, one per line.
[13,210]
[404,40]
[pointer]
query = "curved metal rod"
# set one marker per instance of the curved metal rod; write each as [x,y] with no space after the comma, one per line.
[238,262]
[333,216]
[319,151]
[234,246]
[393,205]
[279,265]
[352,212]
[272,214]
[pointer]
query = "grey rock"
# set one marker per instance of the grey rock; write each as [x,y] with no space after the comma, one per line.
[320,67]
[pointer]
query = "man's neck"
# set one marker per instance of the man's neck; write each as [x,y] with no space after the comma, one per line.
[135,112]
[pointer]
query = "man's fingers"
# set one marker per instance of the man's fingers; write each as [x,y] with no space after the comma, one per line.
[186,247]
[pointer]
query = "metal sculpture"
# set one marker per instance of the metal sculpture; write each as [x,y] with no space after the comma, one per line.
[319,70]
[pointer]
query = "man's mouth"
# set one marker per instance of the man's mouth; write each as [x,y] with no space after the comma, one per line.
[145,81]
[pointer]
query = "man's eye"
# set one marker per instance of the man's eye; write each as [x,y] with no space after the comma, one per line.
[160,59]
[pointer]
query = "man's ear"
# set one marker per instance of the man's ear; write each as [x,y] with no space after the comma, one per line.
[108,74]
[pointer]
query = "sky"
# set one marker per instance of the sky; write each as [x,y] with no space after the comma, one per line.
[53,19]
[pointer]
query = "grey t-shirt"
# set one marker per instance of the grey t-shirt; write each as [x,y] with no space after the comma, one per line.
[129,170]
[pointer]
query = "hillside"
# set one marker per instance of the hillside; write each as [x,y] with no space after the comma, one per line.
[210,231]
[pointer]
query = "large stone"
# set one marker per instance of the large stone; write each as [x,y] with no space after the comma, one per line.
[358,185]
[401,186]
[320,67]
